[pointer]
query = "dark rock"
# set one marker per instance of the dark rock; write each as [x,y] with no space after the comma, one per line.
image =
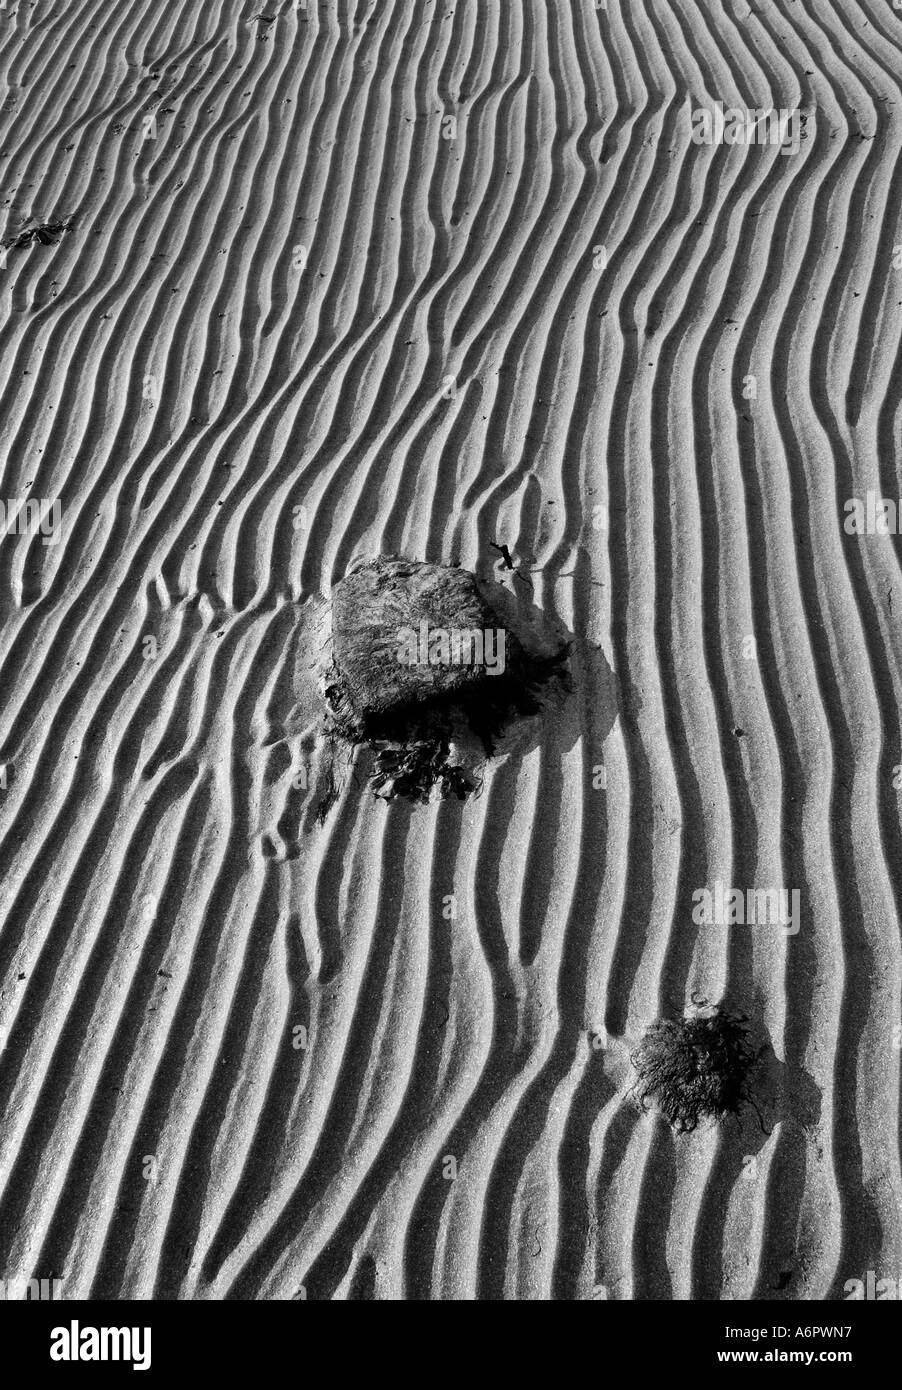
[412,658]
[374,608]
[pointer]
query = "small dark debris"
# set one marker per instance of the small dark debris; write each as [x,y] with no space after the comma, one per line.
[47,233]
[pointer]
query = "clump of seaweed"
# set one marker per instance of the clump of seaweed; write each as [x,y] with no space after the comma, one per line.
[47,233]
[413,745]
[697,1068]
[414,769]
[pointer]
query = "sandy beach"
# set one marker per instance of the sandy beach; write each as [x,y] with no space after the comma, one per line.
[287,286]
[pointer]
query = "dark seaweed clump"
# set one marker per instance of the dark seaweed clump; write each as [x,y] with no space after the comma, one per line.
[696,1069]
[414,769]
[412,744]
